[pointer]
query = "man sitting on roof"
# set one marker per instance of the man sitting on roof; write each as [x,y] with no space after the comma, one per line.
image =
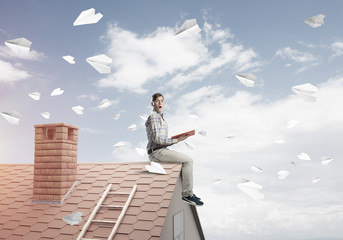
[158,141]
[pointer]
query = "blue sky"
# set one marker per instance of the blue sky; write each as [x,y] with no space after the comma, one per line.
[197,77]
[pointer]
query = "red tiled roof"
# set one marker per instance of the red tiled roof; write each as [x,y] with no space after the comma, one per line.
[20,218]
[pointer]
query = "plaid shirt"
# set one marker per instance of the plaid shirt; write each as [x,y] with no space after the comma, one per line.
[157,131]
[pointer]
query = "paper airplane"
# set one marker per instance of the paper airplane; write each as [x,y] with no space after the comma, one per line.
[87,17]
[189,28]
[203,133]
[252,189]
[256,168]
[100,63]
[306,91]
[144,117]
[291,123]
[104,104]
[78,110]
[283,174]
[326,160]
[315,180]
[304,156]
[11,117]
[116,117]
[132,127]
[216,181]
[69,59]
[155,167]
[45,115]
[248,79]
[230,135]
[315,21]
[119,144]
[189,145]
[20,46]
[73,219]
[141,151]
[35,95]
[193,116]
[57,92]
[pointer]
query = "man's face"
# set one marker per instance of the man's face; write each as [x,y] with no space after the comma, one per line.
[158,104]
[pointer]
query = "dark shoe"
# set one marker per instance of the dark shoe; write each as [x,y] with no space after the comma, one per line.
[193,200]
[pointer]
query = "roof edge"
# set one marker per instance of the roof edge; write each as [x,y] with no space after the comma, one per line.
[197,222]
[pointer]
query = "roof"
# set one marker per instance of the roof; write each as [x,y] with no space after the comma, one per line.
[21,218]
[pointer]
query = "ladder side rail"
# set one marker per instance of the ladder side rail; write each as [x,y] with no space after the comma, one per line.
[91,217]
[122,214]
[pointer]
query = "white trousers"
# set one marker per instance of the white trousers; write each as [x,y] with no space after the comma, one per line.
[170,156]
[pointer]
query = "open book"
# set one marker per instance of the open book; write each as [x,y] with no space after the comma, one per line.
[189,133]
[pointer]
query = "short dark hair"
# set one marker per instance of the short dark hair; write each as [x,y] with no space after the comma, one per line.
[156,95]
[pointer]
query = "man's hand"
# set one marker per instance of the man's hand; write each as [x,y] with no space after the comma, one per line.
[181,138]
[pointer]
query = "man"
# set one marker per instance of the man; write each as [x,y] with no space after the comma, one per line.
[158,141]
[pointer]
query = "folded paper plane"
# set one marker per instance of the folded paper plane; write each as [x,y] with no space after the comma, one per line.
[45,115]
[100,63]
[73,219]
[252,189]
[11,117]
[315,180]
[155,167]
[104,104]
[57,92]
[87,17]
[132,127]
[119,144]
[306,91]
[116,117]
[283,174]
[304,156]
[69,59]
[256,168]
[326,160]
[189,145]
[230,135]
[20,46]
[315,21]
[144,117]
[189,28]
[248,79]
[203,133]
[35,95]
[78,110]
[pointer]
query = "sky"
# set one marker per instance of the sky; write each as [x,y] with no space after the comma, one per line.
[237,127]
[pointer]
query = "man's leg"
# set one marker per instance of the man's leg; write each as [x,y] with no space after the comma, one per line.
[166,155]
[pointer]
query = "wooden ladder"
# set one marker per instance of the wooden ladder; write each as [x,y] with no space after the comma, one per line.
[100,205]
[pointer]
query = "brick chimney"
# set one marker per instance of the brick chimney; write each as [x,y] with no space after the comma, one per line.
[55,161]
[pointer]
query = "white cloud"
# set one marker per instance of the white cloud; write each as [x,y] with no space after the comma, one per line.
[337,48]
[138,60]
[10,74]
[33,55]
[255,124]
[295,55]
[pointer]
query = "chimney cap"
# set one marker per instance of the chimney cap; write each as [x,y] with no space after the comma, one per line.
[55,125]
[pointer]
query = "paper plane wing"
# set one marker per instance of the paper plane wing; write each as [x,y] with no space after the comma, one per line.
[35,95]
[252,189]
[315,21]
[119,144]
[69,59]
[87,17]
[248,79]
[20,46]
[306,91]
[45,115]
[100,63]
[57,92]
[189,28]
[78,110]
[104,103]
[283,174]
[304,156]
[73,219]
[116,117]
[326,160]
[155,167]
[132,127]
[12,117]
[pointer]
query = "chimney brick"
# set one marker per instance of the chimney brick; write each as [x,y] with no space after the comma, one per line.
[55,166]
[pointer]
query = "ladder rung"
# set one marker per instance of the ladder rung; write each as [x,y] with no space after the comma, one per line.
[111,206]
[119,193]
[103,221]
